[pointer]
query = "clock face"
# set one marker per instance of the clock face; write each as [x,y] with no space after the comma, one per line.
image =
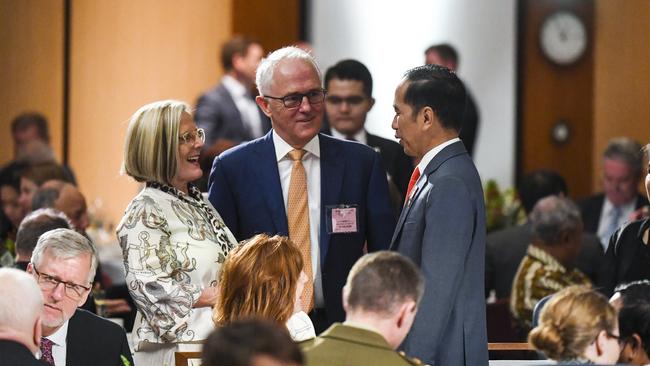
[563,37]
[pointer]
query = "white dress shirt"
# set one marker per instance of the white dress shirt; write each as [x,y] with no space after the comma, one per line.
[248,109]
[60,347]
[607,216]
[361,136]
[426,159]
[311,163]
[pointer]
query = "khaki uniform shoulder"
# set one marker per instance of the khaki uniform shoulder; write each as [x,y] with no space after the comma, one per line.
[411,360]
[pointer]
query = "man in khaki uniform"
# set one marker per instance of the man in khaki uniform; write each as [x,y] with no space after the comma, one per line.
[380,299]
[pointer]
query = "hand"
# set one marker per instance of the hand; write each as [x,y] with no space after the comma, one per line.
[208,297]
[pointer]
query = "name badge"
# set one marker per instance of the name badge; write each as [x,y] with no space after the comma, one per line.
[342,219]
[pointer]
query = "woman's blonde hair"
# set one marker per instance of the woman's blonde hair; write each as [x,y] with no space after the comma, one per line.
[570,321]
[151,144]
[259,280]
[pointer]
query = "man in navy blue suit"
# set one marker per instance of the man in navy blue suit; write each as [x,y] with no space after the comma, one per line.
[348,204]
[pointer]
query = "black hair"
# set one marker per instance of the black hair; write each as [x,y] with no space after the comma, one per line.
[540,184]
[350,70]
[440,89]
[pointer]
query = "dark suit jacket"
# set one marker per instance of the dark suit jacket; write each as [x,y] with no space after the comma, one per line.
[442,229]
[506,248]
[245,189]
[470,124]
[15,354]
[592,207]
[95,341]
[218,115]
[398,165]
[628,257]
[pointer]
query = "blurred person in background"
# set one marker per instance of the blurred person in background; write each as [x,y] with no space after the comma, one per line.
[577,326]
[251,343]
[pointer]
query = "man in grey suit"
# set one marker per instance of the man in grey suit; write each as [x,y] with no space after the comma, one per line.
[442,226]
[228,112]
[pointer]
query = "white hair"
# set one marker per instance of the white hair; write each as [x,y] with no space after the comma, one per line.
[21,302]
[268,65]
[64,244]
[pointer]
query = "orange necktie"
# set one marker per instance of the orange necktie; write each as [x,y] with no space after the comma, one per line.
[414,178]
[298,220]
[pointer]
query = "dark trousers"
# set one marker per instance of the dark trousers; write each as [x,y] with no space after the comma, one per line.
[318,317]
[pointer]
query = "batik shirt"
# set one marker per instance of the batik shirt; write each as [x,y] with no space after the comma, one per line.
[173,246]
[538,276]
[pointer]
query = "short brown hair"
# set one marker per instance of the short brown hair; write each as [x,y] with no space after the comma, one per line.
[236,45]
[570,321]
[151,144]
[382,281]
[259,280]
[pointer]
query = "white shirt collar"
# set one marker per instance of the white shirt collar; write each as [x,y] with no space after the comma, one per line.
[361,135]
[282,148]
[60,335]
[233,86]
[426,159]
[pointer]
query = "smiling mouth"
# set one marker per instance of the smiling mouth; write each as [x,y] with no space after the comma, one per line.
[193,159]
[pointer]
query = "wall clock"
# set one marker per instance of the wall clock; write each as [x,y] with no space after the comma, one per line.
[563,37]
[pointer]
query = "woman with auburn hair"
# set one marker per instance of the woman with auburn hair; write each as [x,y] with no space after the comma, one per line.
[173,240]
[263,279]
[577,326]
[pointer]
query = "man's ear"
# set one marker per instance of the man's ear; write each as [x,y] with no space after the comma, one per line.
[264,105]
[371,103]
[236,61]
[38,331]
[406,310]
[600,342]
[30,268]
[429,119]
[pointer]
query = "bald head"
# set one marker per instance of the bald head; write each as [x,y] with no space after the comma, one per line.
[21,305]
[68,200]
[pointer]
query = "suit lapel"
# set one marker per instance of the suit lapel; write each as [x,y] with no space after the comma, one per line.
[268,182]
[74,341]
[332,168]
[448,152]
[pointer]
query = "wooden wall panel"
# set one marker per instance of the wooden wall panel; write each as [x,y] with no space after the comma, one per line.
[125,54]
[621,75]
[551,93]
[274,23]
[31,66]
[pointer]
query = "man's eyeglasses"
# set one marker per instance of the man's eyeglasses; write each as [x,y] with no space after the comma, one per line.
[49,283]
[295,100]
[353,100]
[190,137]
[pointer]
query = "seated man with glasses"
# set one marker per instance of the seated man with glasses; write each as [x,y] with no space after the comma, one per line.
[64,264]
[348,102]
[329,196]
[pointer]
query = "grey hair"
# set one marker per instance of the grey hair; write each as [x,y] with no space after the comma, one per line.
[21,302]
[627,151]
[268,65]
[65,244]
[554,217]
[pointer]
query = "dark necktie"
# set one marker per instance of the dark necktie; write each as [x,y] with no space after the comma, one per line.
[46,351]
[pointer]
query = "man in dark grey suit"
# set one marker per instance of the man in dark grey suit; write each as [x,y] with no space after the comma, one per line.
[228,112]
[442,226]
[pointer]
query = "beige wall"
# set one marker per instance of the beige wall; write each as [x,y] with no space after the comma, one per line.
[125,54]
[31,66]
[621,74]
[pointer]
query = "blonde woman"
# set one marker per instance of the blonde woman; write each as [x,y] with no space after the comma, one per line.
[577,326]
[173,241]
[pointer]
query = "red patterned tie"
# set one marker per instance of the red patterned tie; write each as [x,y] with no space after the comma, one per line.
[46,351]
[414,178]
